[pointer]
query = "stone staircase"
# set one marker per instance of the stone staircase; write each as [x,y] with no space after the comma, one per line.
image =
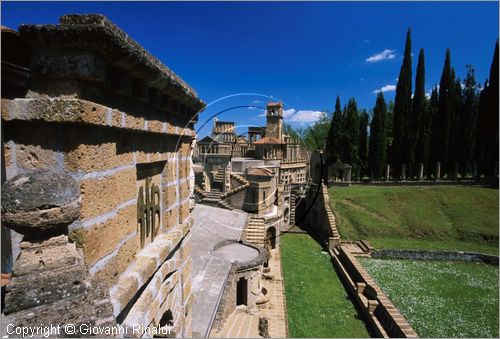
[292,209]
[255,231]
[214,198]
[243,184]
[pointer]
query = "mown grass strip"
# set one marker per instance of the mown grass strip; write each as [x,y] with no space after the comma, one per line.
[317,304]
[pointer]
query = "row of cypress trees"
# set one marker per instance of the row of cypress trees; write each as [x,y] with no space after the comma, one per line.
[457,126]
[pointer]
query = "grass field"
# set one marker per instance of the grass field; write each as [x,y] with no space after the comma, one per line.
[317,303]
[440,298]
[423,217]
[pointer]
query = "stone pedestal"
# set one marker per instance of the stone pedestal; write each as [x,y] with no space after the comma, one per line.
[49,285]
[437,174]
[420,171]
[387,172]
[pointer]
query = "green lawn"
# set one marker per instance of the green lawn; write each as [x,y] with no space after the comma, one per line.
[423,217]
[317,303]
[440,298]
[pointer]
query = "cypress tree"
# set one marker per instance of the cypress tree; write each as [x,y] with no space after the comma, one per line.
[334,134]
[467,123]
[389,124]
[402,110]
[442,119]
[482,127]
[378,138]
[351,130]
[363,143]
[417,121]
[433,111]
[454,121]
[493,111]
[487,135]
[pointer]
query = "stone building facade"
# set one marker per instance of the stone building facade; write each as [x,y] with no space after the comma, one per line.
[94,109]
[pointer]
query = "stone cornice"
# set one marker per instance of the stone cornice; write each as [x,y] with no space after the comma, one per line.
[95,35]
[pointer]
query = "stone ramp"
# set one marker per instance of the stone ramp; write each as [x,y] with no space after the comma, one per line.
[211,226]
[208,283]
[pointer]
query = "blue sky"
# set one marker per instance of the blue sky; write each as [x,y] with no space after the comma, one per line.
[304,54]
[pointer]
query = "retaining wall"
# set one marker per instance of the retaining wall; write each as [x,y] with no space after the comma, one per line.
[382,317]
[436,255]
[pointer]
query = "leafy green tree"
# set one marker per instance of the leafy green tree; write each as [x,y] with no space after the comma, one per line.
[314,137]
[417,126]
[378,138]
[334,134]
[402,110]
[292,132]
[363,143]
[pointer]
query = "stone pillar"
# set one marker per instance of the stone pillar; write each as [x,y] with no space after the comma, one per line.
[420,171]
[49,284]
[387,172]
[403,172]
[455,171]
[437,175]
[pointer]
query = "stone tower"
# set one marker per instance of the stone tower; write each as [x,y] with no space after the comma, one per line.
[274,127]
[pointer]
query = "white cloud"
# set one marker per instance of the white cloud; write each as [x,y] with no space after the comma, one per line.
[386,54]
[386,88]
[299,116]
[256,102]
[288,113]
[366,41]
[305,116]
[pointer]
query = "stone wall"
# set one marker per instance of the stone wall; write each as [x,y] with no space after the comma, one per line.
[101,109]
[318,216]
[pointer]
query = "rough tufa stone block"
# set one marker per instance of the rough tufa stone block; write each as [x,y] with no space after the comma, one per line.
[40,201]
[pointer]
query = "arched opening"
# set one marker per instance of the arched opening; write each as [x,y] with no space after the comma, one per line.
[166,326]
[241,292]
[270,241]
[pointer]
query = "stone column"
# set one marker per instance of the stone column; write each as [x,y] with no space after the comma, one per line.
[420,171]
[437,175]
[403,172]
[49,285]
[387,172]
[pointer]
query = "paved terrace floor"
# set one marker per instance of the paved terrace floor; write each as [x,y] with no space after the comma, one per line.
[211,226]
